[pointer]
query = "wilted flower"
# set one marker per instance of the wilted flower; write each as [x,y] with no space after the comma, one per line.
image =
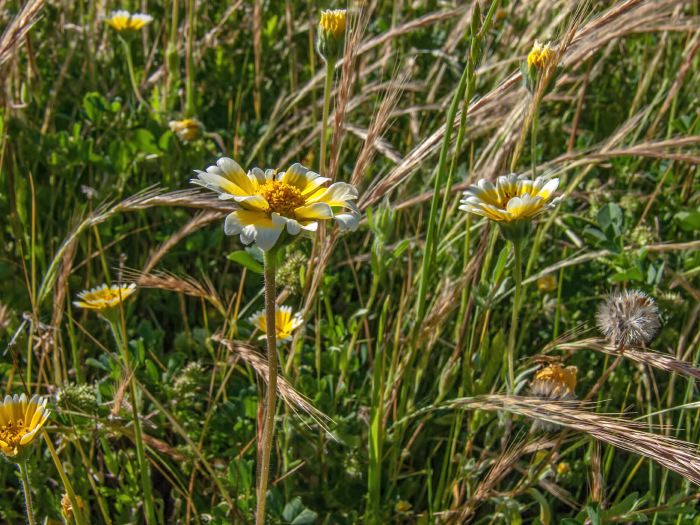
[554,382]
[67,506]
[187,129]
[20,420]
[512,202]
[122,20]
[628,318]
[104,297]
[285,322]
[269,203]
[331,33]
[541,56]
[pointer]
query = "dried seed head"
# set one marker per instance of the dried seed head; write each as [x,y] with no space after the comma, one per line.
[628,318]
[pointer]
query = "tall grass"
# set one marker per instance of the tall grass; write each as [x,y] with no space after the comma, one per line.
[404,396]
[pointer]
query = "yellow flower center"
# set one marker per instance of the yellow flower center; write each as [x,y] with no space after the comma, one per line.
[281,197]
[334,21]
[12,433]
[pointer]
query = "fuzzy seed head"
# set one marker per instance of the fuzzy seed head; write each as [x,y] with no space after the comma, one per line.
[628,318]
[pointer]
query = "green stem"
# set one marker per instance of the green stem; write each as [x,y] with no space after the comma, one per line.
[189,81]
[27,489]
[327,88]
[119,332]
[77,511]
[269,422]
[533,143]
[130,67]
[518,278]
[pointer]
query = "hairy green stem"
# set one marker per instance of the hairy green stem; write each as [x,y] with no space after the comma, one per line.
[27,489]
[327,88]
[269,422]
[518,279]
[119,332]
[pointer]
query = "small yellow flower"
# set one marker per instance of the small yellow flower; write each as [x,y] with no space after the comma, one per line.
[333,22]
[563,468]
[187,130]
[512,199]
[541,56]
[285,322]
[331,34]
[269,203]
[122,20]
[547,283]
[20,420]
[554,382]
[104,297]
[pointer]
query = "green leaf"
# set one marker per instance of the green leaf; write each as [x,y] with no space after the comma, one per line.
[145,142]
[688,220]
[245,259]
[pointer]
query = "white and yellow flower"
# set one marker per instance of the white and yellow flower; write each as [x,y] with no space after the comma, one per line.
[285,322]
[123,20]
[511,199]
[269,203]
[20,421]
[187,129]
[104,297]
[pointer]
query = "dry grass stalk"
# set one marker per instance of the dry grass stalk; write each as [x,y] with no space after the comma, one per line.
[17,29]
[294,400]
[676,455]
[177,284]
[652,358]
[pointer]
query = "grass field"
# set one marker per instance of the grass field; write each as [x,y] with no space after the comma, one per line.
[522,353]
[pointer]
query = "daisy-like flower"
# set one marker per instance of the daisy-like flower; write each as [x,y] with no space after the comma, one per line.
[123,20]
[187,129]
[285,322]
[541,56]
[104,297]
[331,33]
[512,202]
[269,203]
[20,420]
[628,318]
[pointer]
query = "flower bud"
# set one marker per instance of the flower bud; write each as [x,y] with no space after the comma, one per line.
[331,34]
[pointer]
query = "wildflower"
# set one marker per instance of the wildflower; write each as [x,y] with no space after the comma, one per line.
[331,34]
[512,202]
[554,382]
[628,318]
[563,468]
[269,203]
[186,130]
[285,322]
[122,20]
[20,420]
[104,297]
[547,283]
[541,56]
